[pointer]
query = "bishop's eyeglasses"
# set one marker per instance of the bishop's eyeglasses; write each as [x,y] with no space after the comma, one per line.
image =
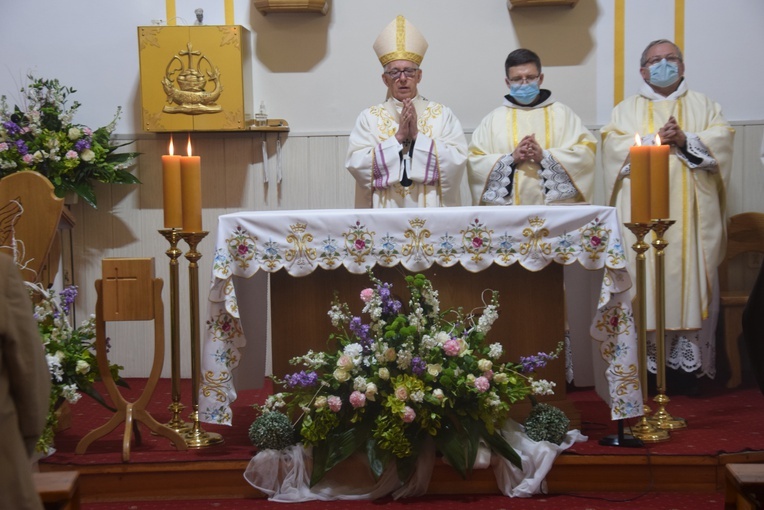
[409,72]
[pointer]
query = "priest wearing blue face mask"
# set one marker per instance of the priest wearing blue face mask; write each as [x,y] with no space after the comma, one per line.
[531,150]
[700,162]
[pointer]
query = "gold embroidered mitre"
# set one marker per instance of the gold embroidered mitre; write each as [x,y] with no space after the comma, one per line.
[400,40]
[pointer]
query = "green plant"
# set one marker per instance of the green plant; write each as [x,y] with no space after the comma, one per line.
[70,353]
[410,373]
[41,135]
[546,423]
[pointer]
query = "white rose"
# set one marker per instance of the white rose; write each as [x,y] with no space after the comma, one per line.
[87,155]
[434,369]
[485,365]
[83,367]
[384,374]
[341,375]
[74,133]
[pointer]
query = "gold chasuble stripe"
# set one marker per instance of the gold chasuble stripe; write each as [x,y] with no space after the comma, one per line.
[618,52]
[515,142]
[170,9]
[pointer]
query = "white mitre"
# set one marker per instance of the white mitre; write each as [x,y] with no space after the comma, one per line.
[400,40]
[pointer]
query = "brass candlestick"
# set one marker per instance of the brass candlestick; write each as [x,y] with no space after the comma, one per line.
[196,437]
[644,430]
[176,423]
[662,418]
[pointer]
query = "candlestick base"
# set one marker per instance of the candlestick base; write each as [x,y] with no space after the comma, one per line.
[662,418]
[646,431]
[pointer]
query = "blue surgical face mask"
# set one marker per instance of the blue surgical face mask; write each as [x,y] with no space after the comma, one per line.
[664,73]
[524,93]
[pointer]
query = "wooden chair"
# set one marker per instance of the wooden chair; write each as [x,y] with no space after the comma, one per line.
[745,233]
[29,217]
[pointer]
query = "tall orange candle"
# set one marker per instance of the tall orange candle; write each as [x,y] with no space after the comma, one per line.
[173,217]
[659,180]
[639,155]
[191,191]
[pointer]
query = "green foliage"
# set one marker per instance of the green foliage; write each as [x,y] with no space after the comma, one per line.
[547,423]
[70,353]
[272,431]
[41,135]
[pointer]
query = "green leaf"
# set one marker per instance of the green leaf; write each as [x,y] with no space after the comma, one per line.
[378,459]
[500,445]
[339,447]
[449,443]
[320,456]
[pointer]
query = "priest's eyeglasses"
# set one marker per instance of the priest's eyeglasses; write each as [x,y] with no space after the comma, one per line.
[674,59]
[523,79]
[409,72]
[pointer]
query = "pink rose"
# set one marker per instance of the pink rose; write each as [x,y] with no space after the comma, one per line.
[335,403]
[360,244]
[401,393]
[482,384]
[357,399]
[452,347]
[408,414]
[488,374]
[596,241]
[366,295]
[477,242]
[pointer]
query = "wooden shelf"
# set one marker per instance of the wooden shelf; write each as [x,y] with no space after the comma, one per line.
[541,3]
[273,125]
[292,6]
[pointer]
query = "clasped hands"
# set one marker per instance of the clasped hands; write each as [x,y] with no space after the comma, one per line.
[528,150]
[407,129]
[672,134]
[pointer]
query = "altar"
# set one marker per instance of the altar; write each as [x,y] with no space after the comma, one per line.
[519,251]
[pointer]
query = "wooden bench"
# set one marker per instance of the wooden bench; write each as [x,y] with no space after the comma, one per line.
[744,486]
[58,490]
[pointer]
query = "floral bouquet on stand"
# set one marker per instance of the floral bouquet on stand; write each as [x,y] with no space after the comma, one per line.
[70,353]
[410,373]
[41,135]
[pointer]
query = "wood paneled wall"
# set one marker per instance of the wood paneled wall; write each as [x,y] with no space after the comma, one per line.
[233,179]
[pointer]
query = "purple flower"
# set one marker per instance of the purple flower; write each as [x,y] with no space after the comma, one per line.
[533,363]
[67,298]
[12,128]
[301,379]
[418,365]
[21,146]
[82,144]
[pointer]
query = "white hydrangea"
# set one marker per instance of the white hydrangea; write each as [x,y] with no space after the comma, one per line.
[495,350]
[359,383]
[486,320]
[542,387]
[417,396]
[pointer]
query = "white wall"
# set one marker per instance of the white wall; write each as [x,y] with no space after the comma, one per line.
[318,71]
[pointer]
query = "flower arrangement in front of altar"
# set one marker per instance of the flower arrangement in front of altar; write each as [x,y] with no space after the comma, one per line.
[41,135]
[410,373]
[70,353]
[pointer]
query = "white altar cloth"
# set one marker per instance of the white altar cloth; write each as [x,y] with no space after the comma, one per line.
[251,244]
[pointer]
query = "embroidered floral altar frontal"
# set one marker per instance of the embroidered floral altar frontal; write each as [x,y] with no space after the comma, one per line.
[251,244]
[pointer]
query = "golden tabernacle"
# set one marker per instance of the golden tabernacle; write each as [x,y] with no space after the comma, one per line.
[195,78]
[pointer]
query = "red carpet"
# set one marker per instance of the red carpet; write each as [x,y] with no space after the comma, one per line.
[611,501]
[719,421]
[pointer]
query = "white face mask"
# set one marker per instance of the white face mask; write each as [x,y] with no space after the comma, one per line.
[664,73]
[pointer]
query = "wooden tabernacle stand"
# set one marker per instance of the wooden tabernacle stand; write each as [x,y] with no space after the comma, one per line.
[129,292]
[531,313]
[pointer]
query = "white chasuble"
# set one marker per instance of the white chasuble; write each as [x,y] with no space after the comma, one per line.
[564,175]
[697,189]
[434,166]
